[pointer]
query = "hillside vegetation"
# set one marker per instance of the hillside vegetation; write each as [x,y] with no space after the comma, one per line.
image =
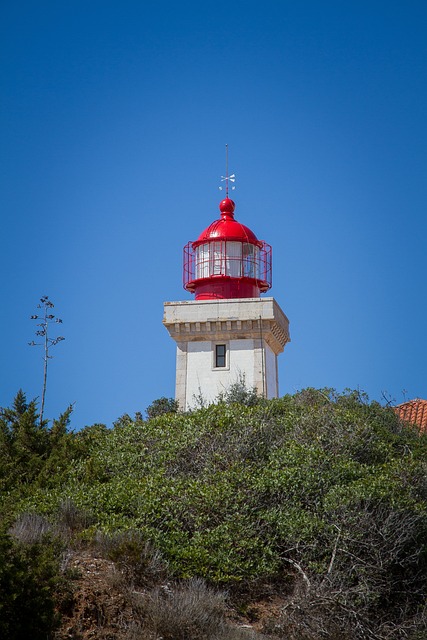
[302,517]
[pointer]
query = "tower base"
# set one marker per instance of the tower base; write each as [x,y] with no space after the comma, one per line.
[220,342]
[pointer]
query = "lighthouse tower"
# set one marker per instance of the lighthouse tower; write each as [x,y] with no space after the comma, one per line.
[228,332]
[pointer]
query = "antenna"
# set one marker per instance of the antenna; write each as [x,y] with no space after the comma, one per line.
[226,170]
[227,178]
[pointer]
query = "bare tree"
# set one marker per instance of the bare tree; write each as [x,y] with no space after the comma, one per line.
[46,319]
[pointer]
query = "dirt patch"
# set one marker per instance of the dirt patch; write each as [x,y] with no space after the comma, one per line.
[100,603]
[99,606]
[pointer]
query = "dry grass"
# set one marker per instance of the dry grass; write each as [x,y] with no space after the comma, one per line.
[71,519]
[30,528]
[189,611]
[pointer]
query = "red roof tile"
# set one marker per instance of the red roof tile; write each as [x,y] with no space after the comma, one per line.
[414,411]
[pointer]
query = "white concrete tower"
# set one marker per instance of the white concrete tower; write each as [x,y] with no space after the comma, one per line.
[228,331]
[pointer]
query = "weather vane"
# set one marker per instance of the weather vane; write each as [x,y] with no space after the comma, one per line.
[227,178]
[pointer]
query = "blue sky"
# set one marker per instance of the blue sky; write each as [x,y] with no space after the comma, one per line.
[114,119]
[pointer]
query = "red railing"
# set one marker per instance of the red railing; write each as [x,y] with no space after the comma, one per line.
[216,259]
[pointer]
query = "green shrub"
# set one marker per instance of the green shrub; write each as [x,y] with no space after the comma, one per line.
[140,563]
[160,406]
[238,392]
[319,486]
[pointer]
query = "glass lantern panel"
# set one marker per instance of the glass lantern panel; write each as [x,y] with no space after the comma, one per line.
[250,260]
[217,259]
[202,261]
[234,259]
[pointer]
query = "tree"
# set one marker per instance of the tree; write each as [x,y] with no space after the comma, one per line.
[45,321]
[24,441]
[29,575]
[28,448]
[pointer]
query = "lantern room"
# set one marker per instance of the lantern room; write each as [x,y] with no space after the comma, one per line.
[227,260]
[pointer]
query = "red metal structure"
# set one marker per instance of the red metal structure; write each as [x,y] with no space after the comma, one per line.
[227,260]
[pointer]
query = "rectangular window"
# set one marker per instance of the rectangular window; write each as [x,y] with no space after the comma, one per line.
[220,355]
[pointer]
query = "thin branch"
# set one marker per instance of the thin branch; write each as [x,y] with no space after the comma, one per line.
[300,570]
[334,552]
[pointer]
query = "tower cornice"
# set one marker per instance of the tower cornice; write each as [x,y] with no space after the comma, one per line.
[233,319]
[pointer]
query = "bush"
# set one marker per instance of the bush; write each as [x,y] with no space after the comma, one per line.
[318,488]
[160,406]
[239,392]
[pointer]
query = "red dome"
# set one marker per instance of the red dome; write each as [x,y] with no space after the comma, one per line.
[227,228]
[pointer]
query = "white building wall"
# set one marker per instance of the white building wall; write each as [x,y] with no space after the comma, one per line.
[272,390]
[205,381]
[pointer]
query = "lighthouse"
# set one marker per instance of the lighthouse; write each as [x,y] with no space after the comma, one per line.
[227,333]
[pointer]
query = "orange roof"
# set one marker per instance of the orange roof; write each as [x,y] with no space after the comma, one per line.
[414,411]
